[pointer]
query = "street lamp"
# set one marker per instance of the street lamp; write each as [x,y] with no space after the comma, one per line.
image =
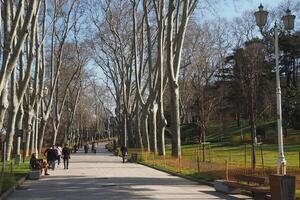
[261,17]
[288,21]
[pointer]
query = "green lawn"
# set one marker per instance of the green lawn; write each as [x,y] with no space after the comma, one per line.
[235,153]
[227,142]
[12,174]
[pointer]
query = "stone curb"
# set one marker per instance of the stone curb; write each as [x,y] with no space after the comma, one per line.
[179,175]
[13,188]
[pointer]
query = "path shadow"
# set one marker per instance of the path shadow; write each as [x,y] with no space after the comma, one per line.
[80,187]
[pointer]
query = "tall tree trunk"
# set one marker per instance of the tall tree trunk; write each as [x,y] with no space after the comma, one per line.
[125,129]
[144,129]
[175,119]
[174,40]
[130,133]
[19,126]
[4,106]
[161,129]
[174,88]
[138,127]
[55,132]
[29,130]
[33,136]
[41,138]
[71,119]
[153,127]
[160,48]
[11,131]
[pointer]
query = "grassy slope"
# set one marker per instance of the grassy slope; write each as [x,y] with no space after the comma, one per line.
[225,144]
[9,178]
[235,152]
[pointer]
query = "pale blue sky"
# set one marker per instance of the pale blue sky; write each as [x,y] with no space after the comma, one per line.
[234,8]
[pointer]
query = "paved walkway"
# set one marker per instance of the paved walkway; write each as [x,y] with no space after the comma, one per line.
[103,176]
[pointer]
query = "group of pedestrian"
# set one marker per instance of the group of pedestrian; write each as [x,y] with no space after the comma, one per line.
[87,147]
[53,156]
[55,153]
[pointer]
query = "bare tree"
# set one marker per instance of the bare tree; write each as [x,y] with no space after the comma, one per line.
[113,55]
[61,26]
[178,16]
[250,69]
[18,92]
[15,32]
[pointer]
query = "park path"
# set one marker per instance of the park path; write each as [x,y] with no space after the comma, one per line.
[103,176]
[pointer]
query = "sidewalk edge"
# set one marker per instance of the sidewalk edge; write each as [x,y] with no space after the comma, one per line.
[179,175]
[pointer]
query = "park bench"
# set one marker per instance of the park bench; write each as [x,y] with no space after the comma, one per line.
[253,184]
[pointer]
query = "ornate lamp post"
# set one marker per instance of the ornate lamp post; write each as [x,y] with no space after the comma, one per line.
[288,21]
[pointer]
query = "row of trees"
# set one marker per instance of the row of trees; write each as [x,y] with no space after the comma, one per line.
[161,67]
[148,51]
[42,73]
[138,45]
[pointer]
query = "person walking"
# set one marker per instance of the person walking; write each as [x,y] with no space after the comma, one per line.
[51,155]
[75,148]
[59,152]
[66,156]
[94,147]
[124,152]
[86,148]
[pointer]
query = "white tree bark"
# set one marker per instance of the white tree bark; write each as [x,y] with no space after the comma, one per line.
[17,93]
[160,16]
[14,37]
[175,38]
[55,63]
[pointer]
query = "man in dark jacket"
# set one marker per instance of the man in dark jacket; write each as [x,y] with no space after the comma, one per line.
[124,152]
[86,148]
[66,156]
[51,154]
